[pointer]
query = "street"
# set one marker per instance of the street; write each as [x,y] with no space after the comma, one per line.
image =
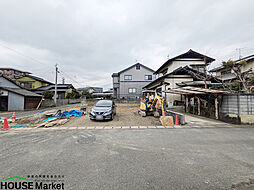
[208,158]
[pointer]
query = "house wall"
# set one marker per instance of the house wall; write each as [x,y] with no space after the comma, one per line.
[15,102]
[173,81]
[6,83]
[124,89]
[138,81]
[35,83]
[182,63]
[248,66]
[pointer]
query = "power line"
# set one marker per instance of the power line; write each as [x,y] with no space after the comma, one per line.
[21,54]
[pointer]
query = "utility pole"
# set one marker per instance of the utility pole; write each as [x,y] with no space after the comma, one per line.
[63,80]
[55,97]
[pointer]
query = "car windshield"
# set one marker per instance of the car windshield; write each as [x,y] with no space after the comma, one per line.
[103,104]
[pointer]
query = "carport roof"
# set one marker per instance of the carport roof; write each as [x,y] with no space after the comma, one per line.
[190,90]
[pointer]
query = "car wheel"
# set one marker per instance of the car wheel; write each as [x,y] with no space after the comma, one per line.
[112,116]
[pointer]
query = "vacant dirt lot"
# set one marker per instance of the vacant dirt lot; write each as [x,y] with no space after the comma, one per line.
[126,115]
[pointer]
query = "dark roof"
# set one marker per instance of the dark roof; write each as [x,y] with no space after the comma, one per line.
[20,91]
[8,68]
[38,79]
[183,71]
[246,58]
[115,75]
[188,54]
[62,86]
[90,87]
[134,66]
[250,57]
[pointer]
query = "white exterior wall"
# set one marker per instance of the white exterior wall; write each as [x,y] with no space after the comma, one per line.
[173,81]
[15,102]
[183,62]
[248,66]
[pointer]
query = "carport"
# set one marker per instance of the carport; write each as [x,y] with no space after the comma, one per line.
[196,92]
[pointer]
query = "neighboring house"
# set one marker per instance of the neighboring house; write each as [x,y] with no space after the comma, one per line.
[32,82]
[13,74]
[13,97]
[62,89]
[91,89]
[184,69]
[227,74]
[182,76]
[129,82]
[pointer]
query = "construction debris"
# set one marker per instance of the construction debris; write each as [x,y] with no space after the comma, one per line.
[45,119]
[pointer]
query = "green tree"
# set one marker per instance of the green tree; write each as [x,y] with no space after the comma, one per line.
[48,94]
[74,94]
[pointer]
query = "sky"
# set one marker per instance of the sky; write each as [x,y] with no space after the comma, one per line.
[91,39]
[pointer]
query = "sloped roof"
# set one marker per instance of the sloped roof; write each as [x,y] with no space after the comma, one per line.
[135,66]
[66,86]
[8,68]
[38,79]
[10,81]
[248,58]
[183,71]
[20,91]
[188,54]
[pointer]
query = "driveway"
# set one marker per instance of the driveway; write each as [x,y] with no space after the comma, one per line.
[214,158]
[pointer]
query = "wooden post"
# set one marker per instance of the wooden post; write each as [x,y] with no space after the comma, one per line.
[216,107]
[198,105]
[193,109]
[186,104]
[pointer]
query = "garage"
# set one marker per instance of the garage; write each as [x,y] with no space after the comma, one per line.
[13,99]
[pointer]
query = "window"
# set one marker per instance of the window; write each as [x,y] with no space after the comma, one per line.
[148,77]
[26,84]
[137,67]
[132,90]
[127,77]
[228,71]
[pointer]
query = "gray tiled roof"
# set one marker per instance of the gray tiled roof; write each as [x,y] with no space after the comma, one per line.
[20,91]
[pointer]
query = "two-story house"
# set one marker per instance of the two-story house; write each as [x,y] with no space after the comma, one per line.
[129,82]
[227,74]
[31,82]
[186,68]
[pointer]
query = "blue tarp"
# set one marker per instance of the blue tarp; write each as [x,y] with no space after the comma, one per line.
[67,114]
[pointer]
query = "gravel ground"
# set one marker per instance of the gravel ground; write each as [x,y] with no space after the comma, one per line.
[126,115]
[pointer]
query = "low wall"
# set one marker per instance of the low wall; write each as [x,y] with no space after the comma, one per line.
[237,108]
[60,102]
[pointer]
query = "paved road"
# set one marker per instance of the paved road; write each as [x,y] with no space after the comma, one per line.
[214,158]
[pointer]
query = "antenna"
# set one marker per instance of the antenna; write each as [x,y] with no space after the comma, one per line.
[239,52]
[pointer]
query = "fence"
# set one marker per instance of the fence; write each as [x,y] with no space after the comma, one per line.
[60,102]
[237,108]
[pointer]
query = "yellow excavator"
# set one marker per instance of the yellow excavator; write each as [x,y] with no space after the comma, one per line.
[155,107]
